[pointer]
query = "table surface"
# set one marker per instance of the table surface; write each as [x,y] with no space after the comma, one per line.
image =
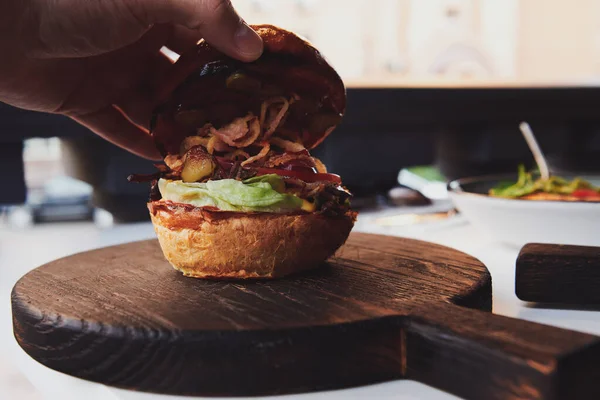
[24,249]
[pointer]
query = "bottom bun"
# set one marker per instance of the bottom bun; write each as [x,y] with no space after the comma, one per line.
[208,243]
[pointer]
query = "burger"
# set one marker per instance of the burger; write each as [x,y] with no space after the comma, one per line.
[239,195]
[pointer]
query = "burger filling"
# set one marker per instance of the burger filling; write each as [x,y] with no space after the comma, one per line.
[254,163]
[254,194]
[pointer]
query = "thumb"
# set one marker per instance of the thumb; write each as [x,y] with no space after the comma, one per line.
[215,20]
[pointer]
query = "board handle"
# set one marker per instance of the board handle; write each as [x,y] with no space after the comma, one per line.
[558,274]
[479,355]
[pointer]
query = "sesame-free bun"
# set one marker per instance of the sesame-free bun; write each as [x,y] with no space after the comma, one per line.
[207,243]
[289,65]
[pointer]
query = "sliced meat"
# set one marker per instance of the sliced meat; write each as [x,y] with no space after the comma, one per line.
[302,158]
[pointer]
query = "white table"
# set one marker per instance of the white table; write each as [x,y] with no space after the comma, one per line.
[21,251]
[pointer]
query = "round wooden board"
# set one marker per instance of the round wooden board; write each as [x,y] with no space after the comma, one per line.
[383,308]
[122,316]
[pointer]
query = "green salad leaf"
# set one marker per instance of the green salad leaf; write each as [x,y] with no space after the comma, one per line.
[529,183]
[274,180]
[262,194]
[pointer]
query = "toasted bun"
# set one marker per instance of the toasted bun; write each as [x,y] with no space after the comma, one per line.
[289,65]
[205,243]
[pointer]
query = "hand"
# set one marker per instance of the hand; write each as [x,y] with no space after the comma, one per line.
[98,61]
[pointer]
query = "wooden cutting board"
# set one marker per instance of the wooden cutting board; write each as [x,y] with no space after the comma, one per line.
[382,309]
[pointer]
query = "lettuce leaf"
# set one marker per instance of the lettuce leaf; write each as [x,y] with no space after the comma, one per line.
[272,179]
[254,194]
[527,184]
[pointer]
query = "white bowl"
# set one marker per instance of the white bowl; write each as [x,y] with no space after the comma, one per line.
[518,222]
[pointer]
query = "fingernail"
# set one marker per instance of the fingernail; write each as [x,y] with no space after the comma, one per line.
[248,42]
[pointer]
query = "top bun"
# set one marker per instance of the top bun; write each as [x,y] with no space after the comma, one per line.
[219,89]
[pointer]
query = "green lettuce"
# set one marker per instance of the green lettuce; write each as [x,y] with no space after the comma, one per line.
[262,194]
[528,184]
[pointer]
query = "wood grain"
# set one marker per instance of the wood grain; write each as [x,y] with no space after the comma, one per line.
[383,308]
[558,274]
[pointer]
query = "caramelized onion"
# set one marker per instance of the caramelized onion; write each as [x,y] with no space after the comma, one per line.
[287,145]
[321,168]
[242,132]
[269,125]
[223,89]
[263,153]
[173,161]
[192,141]
[198,164]
[210,147]
[252,134]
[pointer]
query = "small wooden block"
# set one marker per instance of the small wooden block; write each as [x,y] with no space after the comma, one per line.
[565,274]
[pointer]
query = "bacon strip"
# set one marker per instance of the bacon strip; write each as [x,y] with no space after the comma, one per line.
[222,146]
[285,158]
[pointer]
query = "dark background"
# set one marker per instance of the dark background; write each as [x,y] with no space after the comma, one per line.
[464,132]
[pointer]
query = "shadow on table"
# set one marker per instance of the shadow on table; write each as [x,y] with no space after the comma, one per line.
[560,306]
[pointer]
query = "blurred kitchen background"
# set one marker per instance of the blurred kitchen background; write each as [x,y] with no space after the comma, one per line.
[435,89]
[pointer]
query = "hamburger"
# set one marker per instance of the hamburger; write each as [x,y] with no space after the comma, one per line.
[239,195]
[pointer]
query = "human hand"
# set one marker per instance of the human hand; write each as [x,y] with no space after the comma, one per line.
[98,61]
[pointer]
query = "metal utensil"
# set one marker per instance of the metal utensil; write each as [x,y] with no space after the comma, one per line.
[533,145]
